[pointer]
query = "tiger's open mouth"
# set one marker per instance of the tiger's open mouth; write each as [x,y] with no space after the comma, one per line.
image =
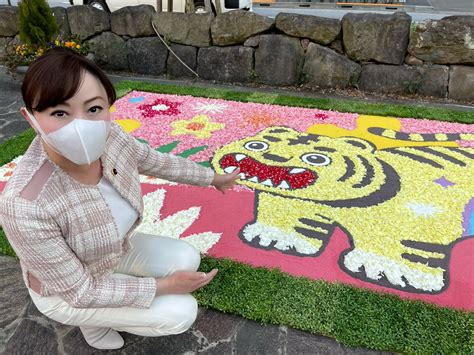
[287,178]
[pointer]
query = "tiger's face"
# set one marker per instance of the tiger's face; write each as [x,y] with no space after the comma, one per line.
[284,161]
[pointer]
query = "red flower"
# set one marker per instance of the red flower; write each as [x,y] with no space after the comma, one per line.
[321,115]
[160,107]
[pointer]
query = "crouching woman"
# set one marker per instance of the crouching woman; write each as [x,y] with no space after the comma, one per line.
[71,208]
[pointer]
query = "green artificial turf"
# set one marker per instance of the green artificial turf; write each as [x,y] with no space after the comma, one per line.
[353,316]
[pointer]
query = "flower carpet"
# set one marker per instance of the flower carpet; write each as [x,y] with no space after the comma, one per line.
[384,204]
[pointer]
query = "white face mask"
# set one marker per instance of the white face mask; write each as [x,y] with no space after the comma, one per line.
[81,141]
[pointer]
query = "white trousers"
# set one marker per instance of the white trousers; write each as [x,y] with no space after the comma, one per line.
[149,255]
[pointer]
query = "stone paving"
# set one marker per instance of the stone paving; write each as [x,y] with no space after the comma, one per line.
[23,330]
[11,121]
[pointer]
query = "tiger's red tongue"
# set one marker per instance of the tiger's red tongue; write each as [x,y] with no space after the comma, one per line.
[277,174]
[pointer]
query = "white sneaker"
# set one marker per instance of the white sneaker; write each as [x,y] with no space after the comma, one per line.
[102,338]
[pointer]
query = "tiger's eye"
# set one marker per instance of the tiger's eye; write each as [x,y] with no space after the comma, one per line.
[315,159]
[256,146]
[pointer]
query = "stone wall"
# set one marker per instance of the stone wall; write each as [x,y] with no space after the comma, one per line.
[371,52]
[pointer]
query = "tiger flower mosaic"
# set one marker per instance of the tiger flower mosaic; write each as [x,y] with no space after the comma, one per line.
[392,203]
[400,192]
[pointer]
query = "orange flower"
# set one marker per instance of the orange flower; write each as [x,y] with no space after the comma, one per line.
[258,119]
[195,126]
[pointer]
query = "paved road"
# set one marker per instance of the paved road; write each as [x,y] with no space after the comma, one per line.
[453,5]
[11,121]
[417,16]
[419,10]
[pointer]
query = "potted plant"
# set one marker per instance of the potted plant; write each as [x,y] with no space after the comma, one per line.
[39,31]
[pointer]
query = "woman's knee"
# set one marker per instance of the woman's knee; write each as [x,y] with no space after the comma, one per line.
[187,257]
[181,315]
[159,255]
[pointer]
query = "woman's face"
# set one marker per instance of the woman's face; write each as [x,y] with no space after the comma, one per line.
[90,102]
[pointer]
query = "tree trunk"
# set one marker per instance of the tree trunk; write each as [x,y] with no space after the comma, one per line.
[159,6]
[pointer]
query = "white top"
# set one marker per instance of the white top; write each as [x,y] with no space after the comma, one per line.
[122,211]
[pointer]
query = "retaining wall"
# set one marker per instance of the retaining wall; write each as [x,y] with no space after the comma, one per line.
[371,52]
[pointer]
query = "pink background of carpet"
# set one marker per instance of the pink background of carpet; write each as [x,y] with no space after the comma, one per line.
[227,213]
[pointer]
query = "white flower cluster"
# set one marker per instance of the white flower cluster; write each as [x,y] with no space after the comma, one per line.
[155,181]
[209,107]
[160,107]
[174,225]
[423,209]
[376,266]
[284,241]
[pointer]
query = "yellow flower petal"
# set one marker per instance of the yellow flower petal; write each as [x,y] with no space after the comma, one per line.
[201,119]
[129,125]
[199,126]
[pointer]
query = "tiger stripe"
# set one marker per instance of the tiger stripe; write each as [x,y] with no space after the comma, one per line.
[415,157]
[442,155]
[462,152]
[350,169]
[416,137]
[312,234]
[419,137]
[369,173]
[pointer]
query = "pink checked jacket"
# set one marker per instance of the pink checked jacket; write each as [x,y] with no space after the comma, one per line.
[63,231]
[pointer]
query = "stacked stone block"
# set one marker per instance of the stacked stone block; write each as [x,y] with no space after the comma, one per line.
[372,52]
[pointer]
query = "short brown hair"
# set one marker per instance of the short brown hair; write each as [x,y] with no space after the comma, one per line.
[56,76]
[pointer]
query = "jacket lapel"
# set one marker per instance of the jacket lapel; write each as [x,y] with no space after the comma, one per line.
[117,169]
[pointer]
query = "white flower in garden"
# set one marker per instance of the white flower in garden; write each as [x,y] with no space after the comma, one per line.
[376,266]
[155,181]
[175,225]
[210,108]
[160,107]
[422,209]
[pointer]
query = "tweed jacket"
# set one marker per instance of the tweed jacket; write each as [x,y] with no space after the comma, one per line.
[63,231]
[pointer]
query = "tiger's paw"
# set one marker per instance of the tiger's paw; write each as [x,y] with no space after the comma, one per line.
[387,272]
[268,237]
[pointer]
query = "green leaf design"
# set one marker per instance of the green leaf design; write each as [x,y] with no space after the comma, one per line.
[192,151]
[167,147]
[204,163]
[141,140]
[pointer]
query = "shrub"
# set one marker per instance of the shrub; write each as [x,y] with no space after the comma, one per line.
[36,23]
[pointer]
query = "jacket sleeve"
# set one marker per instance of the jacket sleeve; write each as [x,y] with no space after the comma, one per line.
[38,242]
[167,166]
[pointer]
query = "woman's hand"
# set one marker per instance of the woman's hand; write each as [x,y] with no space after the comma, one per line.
[183,282]
[223,182]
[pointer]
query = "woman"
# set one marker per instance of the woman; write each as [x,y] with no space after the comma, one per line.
[71,207]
